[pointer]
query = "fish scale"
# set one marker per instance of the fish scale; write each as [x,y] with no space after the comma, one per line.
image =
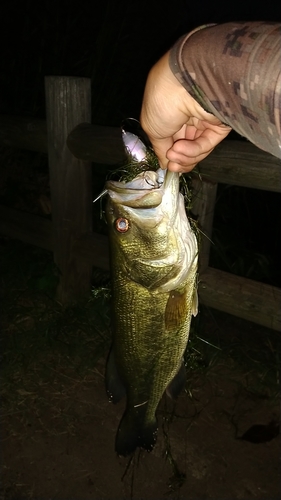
[154,291]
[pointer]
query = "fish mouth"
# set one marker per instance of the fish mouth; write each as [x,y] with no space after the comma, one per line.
[147,180]
[146,190]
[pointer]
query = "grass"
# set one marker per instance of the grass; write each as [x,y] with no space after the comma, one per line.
[38,336]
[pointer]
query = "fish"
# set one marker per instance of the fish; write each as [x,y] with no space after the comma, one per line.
[153,261]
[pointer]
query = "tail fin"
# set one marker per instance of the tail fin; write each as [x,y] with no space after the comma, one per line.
[133,433]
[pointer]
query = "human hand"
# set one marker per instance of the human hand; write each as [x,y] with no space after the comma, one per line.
[182,133]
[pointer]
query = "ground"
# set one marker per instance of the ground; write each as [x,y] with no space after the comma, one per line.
[58,428]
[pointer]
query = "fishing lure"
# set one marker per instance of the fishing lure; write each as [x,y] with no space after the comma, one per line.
[136,148]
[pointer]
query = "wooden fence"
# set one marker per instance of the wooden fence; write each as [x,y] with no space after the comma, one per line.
[72,144]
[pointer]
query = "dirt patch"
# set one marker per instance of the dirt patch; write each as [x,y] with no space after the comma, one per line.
[58,429]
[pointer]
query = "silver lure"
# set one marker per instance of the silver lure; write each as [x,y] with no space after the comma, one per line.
[134,147]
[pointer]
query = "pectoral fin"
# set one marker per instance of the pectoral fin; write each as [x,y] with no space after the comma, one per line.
[176,309]
[195,303]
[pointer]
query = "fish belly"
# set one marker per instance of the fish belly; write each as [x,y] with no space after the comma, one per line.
[150,334]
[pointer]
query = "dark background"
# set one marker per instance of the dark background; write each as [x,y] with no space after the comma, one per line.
[112,42]
[115,43]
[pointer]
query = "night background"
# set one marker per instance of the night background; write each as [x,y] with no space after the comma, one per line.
[113,43]
[57,428]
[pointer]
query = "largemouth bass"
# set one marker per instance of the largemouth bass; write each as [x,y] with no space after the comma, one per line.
[153,254]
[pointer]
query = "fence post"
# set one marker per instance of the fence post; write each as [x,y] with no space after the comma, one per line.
[68,103]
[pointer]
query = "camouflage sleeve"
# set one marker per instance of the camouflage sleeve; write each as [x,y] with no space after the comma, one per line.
[233,71]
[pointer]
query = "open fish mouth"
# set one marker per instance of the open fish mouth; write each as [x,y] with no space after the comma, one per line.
[147,190]
[147,180]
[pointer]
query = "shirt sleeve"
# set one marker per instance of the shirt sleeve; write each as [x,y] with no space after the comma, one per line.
[233,71]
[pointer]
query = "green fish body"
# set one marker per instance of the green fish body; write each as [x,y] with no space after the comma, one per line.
[153,254]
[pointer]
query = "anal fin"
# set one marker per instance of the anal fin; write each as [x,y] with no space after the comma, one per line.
[177,384]
[114,386]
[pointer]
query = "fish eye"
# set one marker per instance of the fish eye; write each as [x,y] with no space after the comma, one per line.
[122,225]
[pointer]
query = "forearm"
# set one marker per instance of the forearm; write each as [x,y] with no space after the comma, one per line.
[233,71]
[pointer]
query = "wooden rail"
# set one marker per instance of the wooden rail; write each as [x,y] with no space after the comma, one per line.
[71,145]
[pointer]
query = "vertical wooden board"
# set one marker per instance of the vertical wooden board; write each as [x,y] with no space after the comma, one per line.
[203,206]
[68,103]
